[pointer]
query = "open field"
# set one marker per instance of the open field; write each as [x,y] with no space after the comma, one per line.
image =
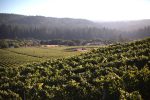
[21,56]
[11,59]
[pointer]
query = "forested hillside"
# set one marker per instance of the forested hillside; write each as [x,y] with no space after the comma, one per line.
[116,72]
[14,26]
[127,25]
[38,27]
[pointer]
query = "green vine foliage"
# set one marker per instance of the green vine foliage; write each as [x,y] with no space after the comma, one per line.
[116,72]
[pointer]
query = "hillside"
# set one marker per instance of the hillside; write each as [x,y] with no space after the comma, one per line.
[126,25]
[116,72]
[44,21]
[13,26]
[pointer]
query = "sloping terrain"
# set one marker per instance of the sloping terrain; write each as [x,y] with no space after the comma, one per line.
[13,57]
[117,72]
[13,26]
[126,25]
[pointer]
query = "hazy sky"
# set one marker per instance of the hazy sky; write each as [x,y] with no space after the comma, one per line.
[99,10]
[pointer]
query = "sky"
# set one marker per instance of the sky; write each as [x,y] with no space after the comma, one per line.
[96,10]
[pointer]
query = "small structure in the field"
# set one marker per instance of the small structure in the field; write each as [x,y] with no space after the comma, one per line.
[11,47]
[80,49]
[50,45]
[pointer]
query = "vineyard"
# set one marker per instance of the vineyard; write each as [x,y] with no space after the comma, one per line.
[116,72]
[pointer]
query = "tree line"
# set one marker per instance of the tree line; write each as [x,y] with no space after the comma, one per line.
[45,28]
